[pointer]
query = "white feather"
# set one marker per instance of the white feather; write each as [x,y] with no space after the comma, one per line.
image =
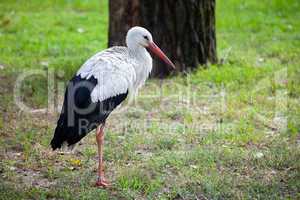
[117,71]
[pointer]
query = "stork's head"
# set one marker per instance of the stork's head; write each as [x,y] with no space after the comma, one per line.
[141,37]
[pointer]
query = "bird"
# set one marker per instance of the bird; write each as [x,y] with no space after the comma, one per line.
[101,84]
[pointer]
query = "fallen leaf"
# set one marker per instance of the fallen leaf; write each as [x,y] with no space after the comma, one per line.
[80,30]
[45,63]
[75,162]
[258,155]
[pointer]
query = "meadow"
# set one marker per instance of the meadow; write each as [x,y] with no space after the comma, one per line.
[225,131]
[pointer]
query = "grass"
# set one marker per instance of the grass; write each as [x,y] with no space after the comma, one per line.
[230,131]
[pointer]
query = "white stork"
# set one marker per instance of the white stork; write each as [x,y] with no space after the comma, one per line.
[100,85]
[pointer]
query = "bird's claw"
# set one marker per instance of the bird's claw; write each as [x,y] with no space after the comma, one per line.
[102,182]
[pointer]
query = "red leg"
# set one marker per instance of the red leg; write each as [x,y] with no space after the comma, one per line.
[101,182]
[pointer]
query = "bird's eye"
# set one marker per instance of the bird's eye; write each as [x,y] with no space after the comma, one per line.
[146,37]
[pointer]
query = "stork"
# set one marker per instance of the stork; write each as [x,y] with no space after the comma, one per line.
[101,84]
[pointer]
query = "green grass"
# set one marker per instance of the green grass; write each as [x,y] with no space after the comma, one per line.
[230,131]
[60,34]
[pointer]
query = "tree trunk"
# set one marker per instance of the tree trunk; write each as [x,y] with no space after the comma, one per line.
[185,30]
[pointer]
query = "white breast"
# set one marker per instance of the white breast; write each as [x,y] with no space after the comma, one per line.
[143,67]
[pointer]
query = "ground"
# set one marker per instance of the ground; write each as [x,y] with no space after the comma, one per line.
[225,131]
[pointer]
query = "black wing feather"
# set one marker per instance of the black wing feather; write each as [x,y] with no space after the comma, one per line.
[79,114]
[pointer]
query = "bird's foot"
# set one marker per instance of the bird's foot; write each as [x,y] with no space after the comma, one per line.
[102,182]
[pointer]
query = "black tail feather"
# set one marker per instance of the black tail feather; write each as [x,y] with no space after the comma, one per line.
[68,134]
[58,138]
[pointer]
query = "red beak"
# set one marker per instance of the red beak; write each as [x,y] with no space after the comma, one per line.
[158,52]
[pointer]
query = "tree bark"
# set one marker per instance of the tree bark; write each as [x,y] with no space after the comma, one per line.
[184,29]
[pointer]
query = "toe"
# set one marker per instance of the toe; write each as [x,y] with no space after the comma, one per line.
[102,184]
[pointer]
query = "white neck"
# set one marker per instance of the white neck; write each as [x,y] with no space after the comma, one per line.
[142,64]
[137,51]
